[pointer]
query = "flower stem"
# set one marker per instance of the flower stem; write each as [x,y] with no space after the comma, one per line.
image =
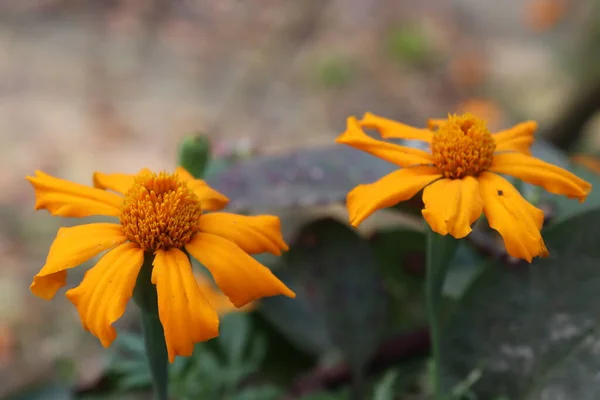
[440,252]
[146,298]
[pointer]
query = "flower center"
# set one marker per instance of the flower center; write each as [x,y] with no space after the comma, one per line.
[160,211]
[462,146]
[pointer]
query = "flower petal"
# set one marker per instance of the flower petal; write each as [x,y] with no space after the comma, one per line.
[401,185]
[517,220]
[400,155]
[210,199]
[238,275]
[106,288]
[253,234]
[452,206]
[519,138]
[72,247]
[67,199]
[216,298]
[186,316]
[537,172]
[434,124]
[120,183]
[392,129]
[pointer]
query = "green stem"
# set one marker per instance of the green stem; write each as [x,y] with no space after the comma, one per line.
[146,298]
[440,252]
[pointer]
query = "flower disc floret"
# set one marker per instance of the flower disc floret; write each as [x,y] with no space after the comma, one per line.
[160,211]
[462,146]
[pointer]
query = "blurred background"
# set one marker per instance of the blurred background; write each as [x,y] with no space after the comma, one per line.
[89,85]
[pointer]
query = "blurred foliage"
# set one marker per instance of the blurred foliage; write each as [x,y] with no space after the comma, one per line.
[408,44]
[334,72]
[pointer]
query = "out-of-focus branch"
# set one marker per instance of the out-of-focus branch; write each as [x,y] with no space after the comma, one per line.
[566,131]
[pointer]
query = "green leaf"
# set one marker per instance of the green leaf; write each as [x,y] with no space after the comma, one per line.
[384,390]
[401,259]
[234,333]
[259,393]
[195,154]
[297,319]
[531,330]
[348,288]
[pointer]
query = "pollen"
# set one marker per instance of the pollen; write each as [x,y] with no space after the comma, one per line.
[462,146]
[160,211]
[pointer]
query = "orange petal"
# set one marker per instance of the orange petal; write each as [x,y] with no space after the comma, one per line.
[72,247]
[106,288]
[517,220]
[537,172]
[67,199]
[400,155]
[120,183]
[255,234]
[401,185]
[238,275]
[210,199]
[392,129]
[434,124]
[519,138]
[185,314]
[216,298]
[452,206]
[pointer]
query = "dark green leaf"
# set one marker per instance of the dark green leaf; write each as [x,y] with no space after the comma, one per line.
[401,258]
[297,319]
[531,329]
[259,393]
[303,178]
[384,390]
[234,333]
[347,286]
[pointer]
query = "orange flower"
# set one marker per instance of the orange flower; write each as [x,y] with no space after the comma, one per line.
[159,215]
[216,298]
[460,177]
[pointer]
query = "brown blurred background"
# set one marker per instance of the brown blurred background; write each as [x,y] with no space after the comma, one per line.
[90,85]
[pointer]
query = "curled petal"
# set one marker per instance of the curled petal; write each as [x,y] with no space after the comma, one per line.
[519,138]
[67,199]
[72,247]
[452,206]
[238,275]
[389,129]
[400,155]
[120,183]
[185,314]
[401,185]
[210,199]
[253,234]
[517,220]
[537,172]
[216,298]
[103,294]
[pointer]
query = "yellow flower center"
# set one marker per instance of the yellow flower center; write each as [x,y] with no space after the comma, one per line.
[160,211]
[462,146]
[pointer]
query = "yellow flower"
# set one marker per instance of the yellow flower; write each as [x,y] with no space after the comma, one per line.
[216,298]
[460,177]
[159,214]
